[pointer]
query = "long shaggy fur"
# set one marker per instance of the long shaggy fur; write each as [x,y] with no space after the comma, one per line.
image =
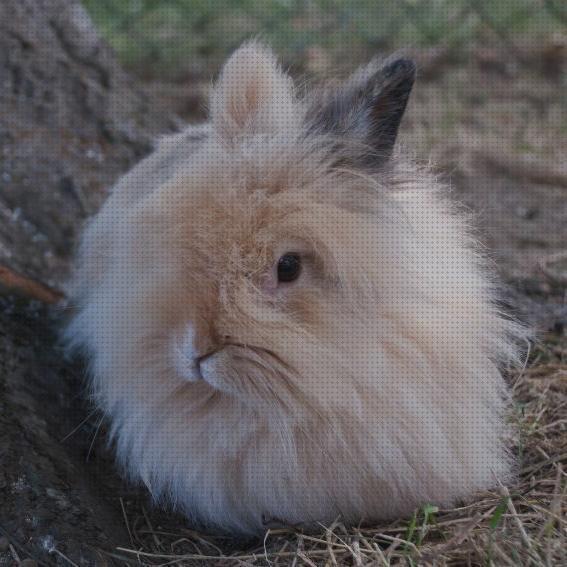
[370,386]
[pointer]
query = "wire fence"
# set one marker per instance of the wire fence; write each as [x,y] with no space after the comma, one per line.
[176,37]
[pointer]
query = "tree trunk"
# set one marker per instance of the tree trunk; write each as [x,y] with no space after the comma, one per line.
[70,122]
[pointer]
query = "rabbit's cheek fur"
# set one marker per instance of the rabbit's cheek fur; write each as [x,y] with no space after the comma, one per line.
[368,387]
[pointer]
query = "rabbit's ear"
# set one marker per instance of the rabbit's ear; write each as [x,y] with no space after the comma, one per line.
[253,95]
[369,106]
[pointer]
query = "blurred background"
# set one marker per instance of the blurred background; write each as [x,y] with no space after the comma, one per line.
[181,39]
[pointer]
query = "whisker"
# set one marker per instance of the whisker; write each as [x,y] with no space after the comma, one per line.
[78,426]
[94,439]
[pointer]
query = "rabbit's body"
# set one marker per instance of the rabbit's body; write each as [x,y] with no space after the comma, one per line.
[363,388]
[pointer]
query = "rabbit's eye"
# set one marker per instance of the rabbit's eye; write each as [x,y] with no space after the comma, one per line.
[289,267]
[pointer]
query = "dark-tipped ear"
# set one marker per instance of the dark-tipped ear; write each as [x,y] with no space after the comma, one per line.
[368,107]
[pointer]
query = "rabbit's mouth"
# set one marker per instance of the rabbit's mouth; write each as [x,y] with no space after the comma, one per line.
[249,371]
[259,351]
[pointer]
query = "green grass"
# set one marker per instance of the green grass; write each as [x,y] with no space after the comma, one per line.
[176,38]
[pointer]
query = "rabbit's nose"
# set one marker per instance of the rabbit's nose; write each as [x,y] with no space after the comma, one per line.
[201,358]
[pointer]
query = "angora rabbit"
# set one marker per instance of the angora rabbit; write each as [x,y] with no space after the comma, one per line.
[286,321]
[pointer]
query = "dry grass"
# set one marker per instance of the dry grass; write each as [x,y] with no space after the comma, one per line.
[524,524]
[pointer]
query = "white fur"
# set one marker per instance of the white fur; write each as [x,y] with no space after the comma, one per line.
[184,354]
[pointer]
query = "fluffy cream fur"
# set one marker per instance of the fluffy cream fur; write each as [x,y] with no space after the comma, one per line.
[368,387]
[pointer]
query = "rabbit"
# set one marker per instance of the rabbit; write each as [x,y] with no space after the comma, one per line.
[289,322]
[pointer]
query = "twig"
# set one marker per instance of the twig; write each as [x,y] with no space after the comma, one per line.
[248,557]
[544,266]
[28,287]
[127,524]
[154,535]
[14,553]
[523,169]
[506,493]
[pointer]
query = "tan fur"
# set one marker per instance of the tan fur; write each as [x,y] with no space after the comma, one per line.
[367,388]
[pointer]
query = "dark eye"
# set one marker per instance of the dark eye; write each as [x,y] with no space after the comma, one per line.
[289,267]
